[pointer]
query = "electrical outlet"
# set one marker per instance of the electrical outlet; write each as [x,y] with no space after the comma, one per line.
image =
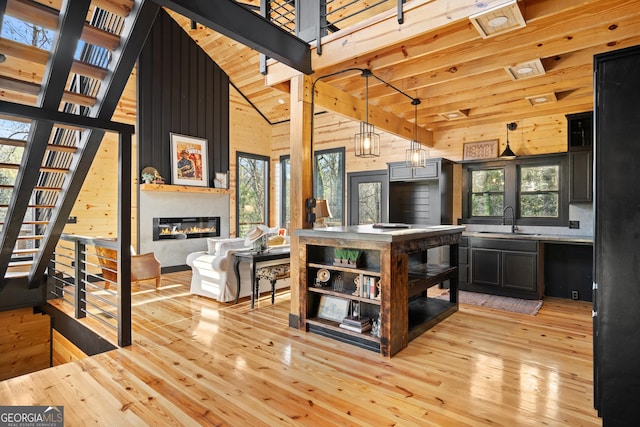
[574,224]
[575,294]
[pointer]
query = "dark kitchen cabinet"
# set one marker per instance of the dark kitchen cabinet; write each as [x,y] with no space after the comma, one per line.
[508,267]
[580,152]
[616,321]
[463,260]
[421,195]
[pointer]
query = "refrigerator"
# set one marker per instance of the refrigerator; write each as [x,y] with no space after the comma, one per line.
[616,303]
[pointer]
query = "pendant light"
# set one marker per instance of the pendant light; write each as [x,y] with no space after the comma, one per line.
[416,156]
[508,153]
[366,143]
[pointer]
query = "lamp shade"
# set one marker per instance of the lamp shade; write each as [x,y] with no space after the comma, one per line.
[322,209]
[508,152]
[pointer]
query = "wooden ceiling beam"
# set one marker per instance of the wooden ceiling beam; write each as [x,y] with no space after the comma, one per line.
[344,104]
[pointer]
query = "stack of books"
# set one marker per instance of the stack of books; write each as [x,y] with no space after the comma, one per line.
[356,324]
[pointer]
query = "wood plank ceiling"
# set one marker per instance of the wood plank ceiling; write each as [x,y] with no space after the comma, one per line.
[449,65]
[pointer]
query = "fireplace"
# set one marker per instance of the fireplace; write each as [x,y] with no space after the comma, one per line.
[186,228]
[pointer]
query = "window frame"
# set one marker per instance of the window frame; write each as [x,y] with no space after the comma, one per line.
[285,182]
[267,177]
[512,190]
[341,151]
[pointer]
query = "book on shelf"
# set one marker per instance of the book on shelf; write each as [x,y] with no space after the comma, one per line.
[364,328]
[356,321]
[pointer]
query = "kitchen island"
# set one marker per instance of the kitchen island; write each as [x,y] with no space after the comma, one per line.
[388,283]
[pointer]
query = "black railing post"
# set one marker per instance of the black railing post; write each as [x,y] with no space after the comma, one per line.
[265,7]
[124,240]
[400,12]
[80,303]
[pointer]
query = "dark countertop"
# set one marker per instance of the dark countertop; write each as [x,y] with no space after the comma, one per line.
[369,233]
[544,238]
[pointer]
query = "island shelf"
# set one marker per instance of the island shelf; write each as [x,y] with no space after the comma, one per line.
[395,261]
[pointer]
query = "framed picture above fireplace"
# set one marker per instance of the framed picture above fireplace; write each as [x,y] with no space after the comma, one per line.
[189,161]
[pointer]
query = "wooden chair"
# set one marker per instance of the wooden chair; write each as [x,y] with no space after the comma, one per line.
[143,266]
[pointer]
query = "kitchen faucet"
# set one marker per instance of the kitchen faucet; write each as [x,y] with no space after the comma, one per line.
[514,227]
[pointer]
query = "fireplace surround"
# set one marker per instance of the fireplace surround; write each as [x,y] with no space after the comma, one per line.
[179,228]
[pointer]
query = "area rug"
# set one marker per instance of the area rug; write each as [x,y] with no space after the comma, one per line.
[515,305]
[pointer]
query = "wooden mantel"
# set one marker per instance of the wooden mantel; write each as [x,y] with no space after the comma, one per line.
[182,189]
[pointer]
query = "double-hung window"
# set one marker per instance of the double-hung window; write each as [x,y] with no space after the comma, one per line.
[535,187]
[252,192]
[329,182]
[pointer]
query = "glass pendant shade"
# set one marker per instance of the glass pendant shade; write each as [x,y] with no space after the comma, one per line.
[416,156]
[367,141]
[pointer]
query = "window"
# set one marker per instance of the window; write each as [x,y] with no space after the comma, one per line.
[285,191]
[539,191]
[487,192]
[252,192]
[535,187]
[329,182]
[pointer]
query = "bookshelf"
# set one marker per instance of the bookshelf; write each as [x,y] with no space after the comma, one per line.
[395,261]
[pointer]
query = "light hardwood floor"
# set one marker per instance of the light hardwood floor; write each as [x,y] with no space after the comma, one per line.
[195,361]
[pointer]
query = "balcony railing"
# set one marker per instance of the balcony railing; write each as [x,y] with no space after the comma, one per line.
[310,20]
[75,275]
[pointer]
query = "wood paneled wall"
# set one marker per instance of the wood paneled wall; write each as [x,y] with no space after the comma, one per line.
[25,342]
[181,90]
[249,133]
[539,135]
[64,351]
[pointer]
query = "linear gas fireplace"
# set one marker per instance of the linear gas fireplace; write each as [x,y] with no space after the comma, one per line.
[186,228]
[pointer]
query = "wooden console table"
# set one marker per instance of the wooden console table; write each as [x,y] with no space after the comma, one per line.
[394,257]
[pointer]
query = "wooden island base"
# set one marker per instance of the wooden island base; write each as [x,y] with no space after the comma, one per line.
[395,274]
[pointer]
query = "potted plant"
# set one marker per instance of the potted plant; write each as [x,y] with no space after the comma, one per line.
[346,257]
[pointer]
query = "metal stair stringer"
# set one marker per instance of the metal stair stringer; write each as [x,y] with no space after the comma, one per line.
[70,25]
[137,27]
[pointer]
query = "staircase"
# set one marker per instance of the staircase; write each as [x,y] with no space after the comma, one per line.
[62,117]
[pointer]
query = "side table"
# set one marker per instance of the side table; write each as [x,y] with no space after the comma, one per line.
[254,258]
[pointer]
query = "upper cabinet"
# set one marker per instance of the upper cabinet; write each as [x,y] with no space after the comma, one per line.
[580,148]
[421,195]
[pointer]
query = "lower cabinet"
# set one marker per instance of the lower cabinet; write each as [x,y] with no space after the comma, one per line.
[508,267]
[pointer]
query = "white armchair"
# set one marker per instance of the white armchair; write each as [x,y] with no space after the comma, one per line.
[212,270]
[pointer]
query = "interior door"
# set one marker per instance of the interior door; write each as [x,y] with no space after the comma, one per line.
[368,197]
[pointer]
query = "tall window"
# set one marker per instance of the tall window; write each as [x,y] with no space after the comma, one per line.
[487,192]
[539,191]
[252,191]
[285,191]
[329,182]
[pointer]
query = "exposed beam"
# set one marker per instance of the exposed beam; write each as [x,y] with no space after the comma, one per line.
[235,21]
[342,103]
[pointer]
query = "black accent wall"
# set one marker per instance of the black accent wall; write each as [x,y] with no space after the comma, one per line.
[180,90]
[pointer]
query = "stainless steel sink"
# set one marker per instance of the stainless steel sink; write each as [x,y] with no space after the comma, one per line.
[508,233]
